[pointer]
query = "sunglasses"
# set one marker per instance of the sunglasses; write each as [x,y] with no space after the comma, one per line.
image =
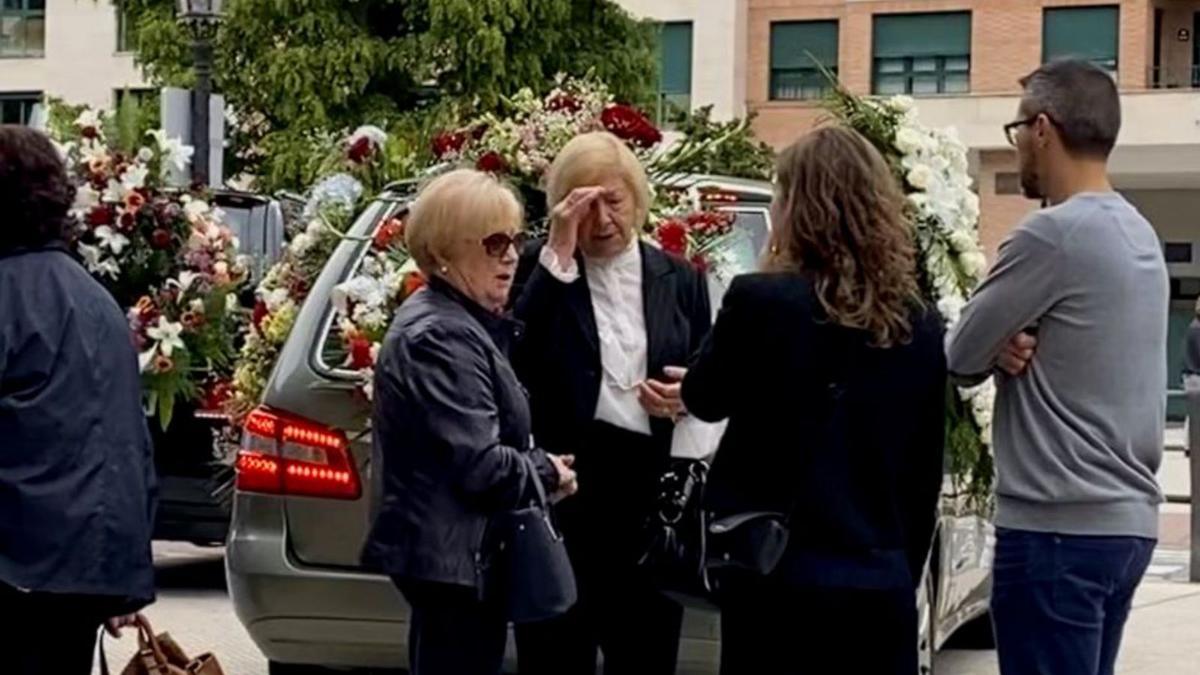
[496,245]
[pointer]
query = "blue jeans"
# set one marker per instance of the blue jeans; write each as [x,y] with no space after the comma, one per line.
[1060,602]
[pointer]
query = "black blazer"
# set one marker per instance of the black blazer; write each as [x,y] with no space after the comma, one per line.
[845,437]
[451,422]
[559,357]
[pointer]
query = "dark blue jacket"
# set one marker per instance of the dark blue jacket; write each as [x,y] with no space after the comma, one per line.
[77,482]
[450,425]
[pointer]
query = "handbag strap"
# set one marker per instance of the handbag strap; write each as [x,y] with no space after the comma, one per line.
[532,474]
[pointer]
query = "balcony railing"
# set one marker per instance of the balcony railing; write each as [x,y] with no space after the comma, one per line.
[1162,77]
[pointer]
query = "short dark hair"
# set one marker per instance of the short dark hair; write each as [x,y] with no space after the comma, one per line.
[35,191]
[1082,101]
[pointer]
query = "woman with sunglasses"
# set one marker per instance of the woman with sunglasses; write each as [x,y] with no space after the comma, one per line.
[452,426]
[605,315]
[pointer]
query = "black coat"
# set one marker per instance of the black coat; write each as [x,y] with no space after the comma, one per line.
[77,481]
[450,424]
[558,359]
[861,484]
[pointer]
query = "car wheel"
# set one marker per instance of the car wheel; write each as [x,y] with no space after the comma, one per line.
[925,610]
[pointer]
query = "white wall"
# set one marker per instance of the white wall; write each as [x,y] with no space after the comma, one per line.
[718,48]
[81,63]
[1175,215]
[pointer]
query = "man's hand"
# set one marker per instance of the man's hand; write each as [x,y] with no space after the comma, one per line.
[566,218]
[114,625]
[1017,354]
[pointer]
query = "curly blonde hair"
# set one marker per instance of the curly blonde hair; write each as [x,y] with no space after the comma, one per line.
[840,219]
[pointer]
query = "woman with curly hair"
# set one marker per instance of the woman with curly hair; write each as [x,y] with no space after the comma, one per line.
[830,369]
[76,467]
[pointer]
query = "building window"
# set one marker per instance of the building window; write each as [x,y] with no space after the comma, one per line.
[141,97]
[22,28]
[123,36]
[1088,33]
[797,48]
[17,108]
[675,71]
[922,54]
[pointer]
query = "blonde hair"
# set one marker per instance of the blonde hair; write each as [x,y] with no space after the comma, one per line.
[455,208]
[591,158]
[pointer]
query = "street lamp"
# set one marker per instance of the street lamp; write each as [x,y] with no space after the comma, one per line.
[200,18]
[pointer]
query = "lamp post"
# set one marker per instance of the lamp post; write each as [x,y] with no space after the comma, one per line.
[200,18]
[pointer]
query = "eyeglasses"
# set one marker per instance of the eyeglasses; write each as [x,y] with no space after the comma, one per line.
[496,245]
[1010,129]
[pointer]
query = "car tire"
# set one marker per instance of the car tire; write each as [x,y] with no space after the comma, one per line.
[926,607]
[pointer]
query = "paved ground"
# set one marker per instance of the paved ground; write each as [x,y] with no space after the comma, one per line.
[194,608]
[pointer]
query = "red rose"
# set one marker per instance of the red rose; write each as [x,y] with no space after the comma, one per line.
[361,151]
[216,395]
[127,221]
[491,162]
[628,124]
[160,239]
[389,234]
[672,235]
[360,353]
[564,102]
[700,262]
[448,143]
[260,313]
[100,215]
[413,282]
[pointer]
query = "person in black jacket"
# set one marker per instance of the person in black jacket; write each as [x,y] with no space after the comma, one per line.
[605,315]
[831,373]
[452,426]
[77,482]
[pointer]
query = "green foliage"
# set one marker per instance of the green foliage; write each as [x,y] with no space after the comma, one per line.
[732,149]
[292,68]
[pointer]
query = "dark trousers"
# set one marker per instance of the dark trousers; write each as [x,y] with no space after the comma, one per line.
[1059,602]
[619,613]
[770,628]
[48,634]
[451,632]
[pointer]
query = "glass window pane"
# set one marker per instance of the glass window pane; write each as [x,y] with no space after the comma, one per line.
[889,65]
[924,65]
[14,4]
[925,84]
[957,84]
[39,5]
[888,84]
[958,64]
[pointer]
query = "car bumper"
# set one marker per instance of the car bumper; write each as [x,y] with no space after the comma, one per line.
[298,614]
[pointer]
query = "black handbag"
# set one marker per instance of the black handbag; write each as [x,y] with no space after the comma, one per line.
[529,567]
[688,548]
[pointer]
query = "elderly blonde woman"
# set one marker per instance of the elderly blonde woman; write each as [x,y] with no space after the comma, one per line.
[605,315]
[451,423]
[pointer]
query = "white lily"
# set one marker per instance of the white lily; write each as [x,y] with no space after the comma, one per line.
[86,197]
[110,238]
[134,177]
[173,150]
[145,358]
[166,333]
[88,118]
[372,133]
[184,282]
[115,193]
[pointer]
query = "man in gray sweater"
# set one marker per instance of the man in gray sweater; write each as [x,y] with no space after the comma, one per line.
[1073,320]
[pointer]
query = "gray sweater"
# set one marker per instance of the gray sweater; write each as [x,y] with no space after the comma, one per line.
[1079,435]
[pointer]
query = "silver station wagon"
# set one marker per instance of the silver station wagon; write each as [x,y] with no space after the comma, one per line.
[293,551]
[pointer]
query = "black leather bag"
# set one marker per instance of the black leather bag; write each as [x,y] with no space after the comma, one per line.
[687,548]
[529,566]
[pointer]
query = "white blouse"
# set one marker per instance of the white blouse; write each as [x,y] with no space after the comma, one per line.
[616,290]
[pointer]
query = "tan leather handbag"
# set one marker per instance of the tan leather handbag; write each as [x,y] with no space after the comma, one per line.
[161,655]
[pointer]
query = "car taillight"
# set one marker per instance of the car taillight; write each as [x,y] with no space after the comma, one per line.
[284,454]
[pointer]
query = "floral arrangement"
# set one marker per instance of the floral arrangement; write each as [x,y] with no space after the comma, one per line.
[932,166]
[355,169]
[165,256]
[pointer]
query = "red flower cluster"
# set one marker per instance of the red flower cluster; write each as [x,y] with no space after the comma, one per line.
[672,235]
[491,162]
[361,151]
[260,313]
[389,234]
[710,223]
[630,125]
[101,214]
[216,394]
[413,282]
[360,353]
[450,142]
[564,102]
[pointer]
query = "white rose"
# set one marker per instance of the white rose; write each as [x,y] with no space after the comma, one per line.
[195,209]
[919,200]
[315,228]
[951,308]
[275,299]
[974,263]
[145,154]
[920,177]
[907,140]
[300,244]
[962,241]
[902,103]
